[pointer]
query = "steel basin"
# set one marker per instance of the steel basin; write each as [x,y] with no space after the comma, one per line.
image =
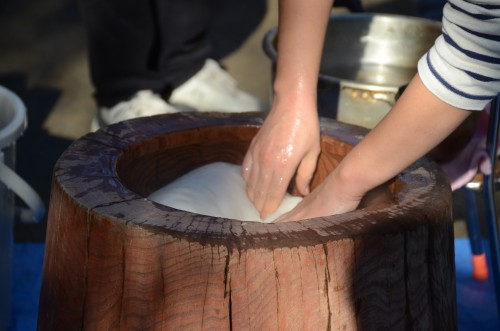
[368,59]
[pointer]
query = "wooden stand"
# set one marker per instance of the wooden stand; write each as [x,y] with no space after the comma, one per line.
[115,260]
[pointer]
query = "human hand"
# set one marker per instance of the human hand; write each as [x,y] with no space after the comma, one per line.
[287,143]
[327,199]
[371,163]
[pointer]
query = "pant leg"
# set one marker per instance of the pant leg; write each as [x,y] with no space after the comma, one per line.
[144,44]
[184,42]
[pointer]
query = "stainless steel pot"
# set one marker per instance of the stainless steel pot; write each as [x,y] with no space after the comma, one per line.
[368,59]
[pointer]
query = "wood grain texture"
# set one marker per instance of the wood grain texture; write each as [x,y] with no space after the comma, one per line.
[115,260]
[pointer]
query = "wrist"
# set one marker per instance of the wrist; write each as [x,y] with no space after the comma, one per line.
[296,97]
[351,181]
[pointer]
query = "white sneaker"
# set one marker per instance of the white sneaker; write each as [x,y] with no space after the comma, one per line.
[213,89]
[144,103]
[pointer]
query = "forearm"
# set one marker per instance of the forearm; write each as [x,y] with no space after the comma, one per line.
[416,124]
[302,28]
[287,144]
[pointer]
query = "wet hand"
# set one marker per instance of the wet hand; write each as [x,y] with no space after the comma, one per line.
[287,144]
[334,196]
[325,200]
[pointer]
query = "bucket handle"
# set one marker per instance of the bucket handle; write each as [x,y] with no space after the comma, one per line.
[12,180]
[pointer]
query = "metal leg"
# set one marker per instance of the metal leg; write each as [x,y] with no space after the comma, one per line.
[489,198]
[479,265]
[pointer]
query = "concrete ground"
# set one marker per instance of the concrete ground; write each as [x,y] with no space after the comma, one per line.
[43,60]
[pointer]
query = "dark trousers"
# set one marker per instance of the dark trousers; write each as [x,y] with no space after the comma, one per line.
[144,44]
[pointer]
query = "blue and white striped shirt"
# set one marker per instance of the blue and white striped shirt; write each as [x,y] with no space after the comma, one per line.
[463,66]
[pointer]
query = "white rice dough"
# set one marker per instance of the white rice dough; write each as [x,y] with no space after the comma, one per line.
[216,189]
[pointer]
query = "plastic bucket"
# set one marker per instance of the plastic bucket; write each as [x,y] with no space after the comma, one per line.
[13,122]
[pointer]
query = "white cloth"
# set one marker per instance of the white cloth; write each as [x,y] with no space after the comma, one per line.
[216,189]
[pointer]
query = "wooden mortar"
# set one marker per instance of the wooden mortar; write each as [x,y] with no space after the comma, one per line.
[116,260]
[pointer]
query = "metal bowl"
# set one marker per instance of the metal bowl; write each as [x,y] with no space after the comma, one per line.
[368,59]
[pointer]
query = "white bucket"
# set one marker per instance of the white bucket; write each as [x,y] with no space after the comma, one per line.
[12,125]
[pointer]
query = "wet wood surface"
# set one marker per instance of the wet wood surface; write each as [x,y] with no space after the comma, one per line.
[115,260]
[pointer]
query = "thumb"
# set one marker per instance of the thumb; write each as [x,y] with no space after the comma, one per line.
[305,172]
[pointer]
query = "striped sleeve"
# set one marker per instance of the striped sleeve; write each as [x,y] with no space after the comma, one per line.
[463,66]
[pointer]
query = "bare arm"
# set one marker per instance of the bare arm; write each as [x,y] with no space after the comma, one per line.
[418,122]
[288,141]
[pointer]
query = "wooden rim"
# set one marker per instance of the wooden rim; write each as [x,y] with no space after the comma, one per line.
[89,172]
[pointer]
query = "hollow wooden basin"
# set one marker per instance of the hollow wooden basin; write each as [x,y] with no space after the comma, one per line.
[116,260]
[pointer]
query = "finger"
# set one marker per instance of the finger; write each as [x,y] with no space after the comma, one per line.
[274,195]
[262,183]
[292,215]
[305,173]
[258,179]
[283,218]
[246,166]
[252,182]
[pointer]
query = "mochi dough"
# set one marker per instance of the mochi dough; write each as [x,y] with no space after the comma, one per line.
[216,189]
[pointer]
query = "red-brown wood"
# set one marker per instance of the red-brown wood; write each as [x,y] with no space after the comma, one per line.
[115,260]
